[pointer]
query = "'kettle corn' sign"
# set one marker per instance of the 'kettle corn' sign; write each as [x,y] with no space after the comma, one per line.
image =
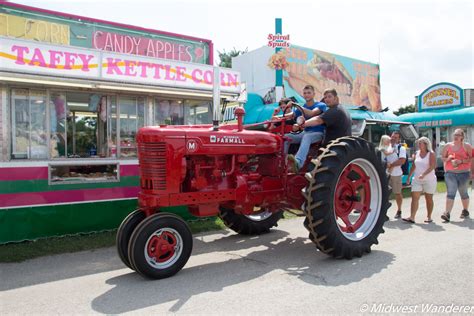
[32,29]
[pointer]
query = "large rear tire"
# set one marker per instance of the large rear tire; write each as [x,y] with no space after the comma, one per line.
[255,224]
[346,198]
[124,233]
[160,246]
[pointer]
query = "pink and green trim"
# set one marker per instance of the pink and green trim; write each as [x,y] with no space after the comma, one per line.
[31,208]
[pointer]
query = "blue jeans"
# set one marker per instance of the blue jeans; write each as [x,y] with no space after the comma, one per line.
[457,182]
[305,139]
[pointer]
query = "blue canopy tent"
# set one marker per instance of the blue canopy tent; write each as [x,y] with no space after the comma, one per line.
[445,117]
[256,110]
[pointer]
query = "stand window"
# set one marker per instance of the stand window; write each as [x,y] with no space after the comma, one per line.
[168,112]
[78,125]
[83,173]
[28,122]
[132,117]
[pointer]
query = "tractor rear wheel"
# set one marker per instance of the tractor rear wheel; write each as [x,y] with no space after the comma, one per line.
[160,246]
[124,233]
[346,198]
[258,223]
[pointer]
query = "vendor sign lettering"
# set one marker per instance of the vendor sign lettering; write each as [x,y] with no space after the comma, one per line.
[435,123]
[278,40]
[33,29]
[441,95]
[52,59]
[147,70]
[149,47]
[23,56]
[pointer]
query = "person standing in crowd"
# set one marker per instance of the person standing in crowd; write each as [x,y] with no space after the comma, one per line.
[424,178]
[457,157]
[394,162]
[472,168]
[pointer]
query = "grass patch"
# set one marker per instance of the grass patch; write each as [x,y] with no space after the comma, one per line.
[206,225]
[17,252]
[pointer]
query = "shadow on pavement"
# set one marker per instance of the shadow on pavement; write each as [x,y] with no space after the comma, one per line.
[467,222]
[401,225]
[432,227]
[58,267]
[72,265]
[296,257]
[396,224]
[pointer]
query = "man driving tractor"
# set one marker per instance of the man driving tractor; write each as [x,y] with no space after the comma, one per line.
[310,134]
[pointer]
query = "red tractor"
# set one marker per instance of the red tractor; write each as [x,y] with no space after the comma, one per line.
[243,176]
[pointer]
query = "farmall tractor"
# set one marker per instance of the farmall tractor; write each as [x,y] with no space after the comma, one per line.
[243,176]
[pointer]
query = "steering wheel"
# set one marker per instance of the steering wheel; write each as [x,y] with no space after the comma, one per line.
[300,119]
[288,121]
[297,106]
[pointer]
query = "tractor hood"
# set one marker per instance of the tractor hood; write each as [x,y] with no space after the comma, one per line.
[199,140]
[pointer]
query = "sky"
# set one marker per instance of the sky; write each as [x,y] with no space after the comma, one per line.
[417,43]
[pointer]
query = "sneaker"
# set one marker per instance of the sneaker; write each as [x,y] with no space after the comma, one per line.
[398,214]
[445,217]
[292,164]
[464,213]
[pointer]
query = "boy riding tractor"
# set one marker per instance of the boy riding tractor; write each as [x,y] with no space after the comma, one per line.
[242,175]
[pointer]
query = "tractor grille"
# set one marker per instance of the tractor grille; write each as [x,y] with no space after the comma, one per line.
[152,158]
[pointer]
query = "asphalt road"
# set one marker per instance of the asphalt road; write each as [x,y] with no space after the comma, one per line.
[278,273]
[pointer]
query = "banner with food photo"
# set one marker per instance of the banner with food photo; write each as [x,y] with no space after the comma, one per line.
[357,82]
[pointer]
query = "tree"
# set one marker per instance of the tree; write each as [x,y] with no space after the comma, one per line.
[405,109]
[226,58]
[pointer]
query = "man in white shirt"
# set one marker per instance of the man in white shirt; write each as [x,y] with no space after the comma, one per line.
[394,166]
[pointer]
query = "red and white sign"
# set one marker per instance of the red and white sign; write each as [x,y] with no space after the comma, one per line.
[192,145]
[25,56]
[166,73]
[29,57]
[278,40]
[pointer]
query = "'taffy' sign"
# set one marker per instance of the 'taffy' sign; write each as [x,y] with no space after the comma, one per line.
[30,57]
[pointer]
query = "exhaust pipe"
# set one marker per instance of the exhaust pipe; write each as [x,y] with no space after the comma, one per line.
[216,99]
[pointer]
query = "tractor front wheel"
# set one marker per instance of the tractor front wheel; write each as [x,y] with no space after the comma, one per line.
[160,246]
[346,198]
[258,223]
[124,233]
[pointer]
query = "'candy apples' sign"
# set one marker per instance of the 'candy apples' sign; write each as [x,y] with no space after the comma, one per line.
[150,47]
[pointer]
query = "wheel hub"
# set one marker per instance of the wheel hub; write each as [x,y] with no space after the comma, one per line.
[163,247]
[259,215]
[352,197]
